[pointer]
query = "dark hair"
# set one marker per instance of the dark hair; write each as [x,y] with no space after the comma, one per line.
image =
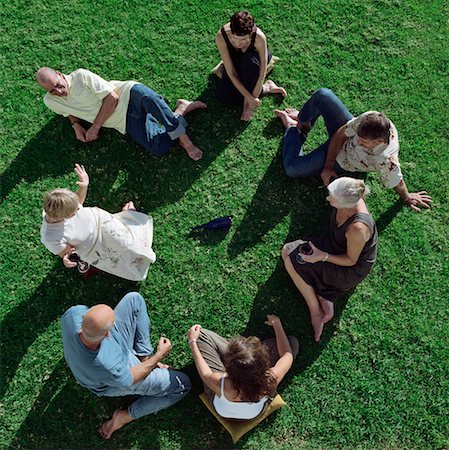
[247,362]
[242,23]
[374,126]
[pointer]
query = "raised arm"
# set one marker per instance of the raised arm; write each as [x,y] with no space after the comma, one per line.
[141,371]
[107,108]
[210,379]
[413,199]
[83,183]
[284,348]
[335,145]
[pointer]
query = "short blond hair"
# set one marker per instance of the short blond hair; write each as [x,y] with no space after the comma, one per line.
[60,203]
[348,191]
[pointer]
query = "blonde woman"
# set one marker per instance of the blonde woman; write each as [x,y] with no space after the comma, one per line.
[338,262]
[119,244]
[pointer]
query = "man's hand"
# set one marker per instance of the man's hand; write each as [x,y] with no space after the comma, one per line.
[327,175]
[163,347]
[66,261]
[416,199]
[82,175]
[80,132]
[272,320]
[92,133]
[194,332]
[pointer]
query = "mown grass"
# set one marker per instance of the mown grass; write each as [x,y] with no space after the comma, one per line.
[379,379]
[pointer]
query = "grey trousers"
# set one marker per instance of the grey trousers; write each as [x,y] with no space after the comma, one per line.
[213,347]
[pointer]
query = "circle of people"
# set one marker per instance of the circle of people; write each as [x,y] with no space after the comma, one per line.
[109,351]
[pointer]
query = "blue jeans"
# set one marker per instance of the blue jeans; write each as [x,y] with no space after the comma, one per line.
[324,103]
[150,122]
[162,387]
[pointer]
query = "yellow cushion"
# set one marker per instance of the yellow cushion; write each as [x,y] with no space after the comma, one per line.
[238,428]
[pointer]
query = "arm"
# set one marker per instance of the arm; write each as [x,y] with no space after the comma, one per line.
[415,199]
[232,73]
[335,145]
[210,379]
[284,348]
[83,183]
[80,131]
[262,50]
[106,110]
[356,236]
[140,371]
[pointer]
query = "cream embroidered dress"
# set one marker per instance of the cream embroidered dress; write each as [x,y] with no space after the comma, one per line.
[119,244]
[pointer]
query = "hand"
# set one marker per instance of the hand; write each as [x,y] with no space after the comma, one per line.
[82,175]
[194,332]
[327,175]
[272,320]
[92,133]
[164,346]
[418,199]
[66,261]
[317,255]
[80,132]
[253,102]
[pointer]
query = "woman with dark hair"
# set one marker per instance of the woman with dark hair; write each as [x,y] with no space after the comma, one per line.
[243,49]
[240,376]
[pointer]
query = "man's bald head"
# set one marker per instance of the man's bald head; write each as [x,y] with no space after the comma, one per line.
[97,322]
[52,81]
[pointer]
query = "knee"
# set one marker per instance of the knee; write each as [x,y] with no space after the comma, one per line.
[294,344]
[322,93]
[184,382]
[134,297]
[284,252]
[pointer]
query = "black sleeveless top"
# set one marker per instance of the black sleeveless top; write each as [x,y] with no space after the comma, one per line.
[236,53]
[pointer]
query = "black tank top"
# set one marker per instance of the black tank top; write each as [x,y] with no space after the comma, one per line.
[234,52]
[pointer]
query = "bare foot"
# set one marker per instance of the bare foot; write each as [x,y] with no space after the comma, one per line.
[247,113]
[327,307]
[119,418]
[129,206]
[183,107]
[286,119]
[317,325]
[270,87]
[293,114]
[192,150]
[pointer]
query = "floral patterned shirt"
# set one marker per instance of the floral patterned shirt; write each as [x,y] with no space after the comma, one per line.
[383,158]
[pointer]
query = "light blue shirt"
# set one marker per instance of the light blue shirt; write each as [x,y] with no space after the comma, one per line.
[98,370]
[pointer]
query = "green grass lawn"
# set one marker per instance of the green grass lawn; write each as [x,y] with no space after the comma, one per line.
[380,376]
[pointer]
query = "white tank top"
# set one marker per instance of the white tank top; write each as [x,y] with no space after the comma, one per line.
[237,410]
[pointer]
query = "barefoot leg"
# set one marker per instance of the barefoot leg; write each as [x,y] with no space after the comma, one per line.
[327,307]
[119,418]
[286,119]
[183,107]
[307,291]
[192,150]
[269,87]
[247,113]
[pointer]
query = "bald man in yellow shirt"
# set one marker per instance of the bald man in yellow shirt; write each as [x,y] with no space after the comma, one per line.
[127,106]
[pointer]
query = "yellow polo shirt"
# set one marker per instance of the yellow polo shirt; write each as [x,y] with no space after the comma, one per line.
[85,95]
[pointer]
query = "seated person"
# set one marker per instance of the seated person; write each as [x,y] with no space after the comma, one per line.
[119,243]
[109,352]
[240,376]
[243,49]
[339,262]
[367,143]
[127,106]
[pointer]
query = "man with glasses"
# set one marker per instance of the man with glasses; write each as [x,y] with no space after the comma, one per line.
[127,106]
[367,143]
[109,352]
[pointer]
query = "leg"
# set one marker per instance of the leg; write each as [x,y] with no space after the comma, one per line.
[270,343]
[328,308]
[167,388]
[132,322]
[227,93]
[151,122]
[324,102]
[307,291]
[212,347]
